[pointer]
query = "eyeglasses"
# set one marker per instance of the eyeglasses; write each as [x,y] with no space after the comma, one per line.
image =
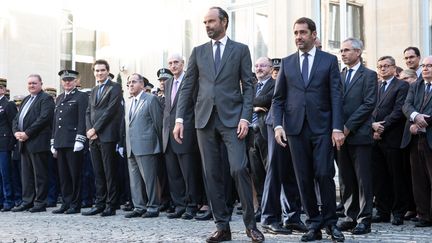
[345,50]
[68,79]
[385,66]
[262,66]
[426,66]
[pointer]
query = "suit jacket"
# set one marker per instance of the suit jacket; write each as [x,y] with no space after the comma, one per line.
[358,105]
[320,101]
[36,123]
[264,99]
[105,114]
[144,129]
[229,90]
[69,123]
[169,115]
[413,102]
[8,112]
[389,109]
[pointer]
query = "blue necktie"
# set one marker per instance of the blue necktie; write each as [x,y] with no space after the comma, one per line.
[258,91]
[217,56]
[99,93]
[305,68]
[348,78]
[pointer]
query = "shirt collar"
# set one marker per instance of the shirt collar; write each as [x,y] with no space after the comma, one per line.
[138,97]
[388,81]
[264,81]
[1,97]
[180,78]
[311,52]
[223,41]
[105,82]
[355,67]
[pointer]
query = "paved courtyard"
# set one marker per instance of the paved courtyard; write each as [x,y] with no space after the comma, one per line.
[48,227]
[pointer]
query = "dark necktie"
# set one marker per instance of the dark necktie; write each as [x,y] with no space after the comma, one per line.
[382,89]
[133,108]
[258,91]
[348,78]
[24,112]
[427,92]
[99,93]
[217,56]
[305,68]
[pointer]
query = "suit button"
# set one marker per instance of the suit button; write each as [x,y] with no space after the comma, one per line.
[61,111]
[60,119]
[59,126]
[61,104]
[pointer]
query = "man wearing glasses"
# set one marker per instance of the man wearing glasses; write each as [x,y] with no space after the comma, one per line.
[418,136]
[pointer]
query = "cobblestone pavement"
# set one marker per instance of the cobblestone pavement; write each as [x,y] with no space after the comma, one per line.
[48,227]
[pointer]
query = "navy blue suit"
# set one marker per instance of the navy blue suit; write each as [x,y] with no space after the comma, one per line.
[311,109]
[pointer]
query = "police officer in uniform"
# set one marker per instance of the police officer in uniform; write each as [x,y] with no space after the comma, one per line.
[68,139]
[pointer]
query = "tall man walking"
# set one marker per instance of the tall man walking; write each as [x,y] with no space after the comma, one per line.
[221,71]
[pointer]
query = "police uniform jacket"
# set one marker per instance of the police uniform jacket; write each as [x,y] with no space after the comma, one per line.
[8,112]
[69,119]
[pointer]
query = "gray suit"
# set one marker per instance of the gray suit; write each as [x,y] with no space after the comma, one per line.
[224,97]
[144,143]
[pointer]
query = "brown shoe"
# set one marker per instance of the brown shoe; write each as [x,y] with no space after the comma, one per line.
[255,235]
[219,236]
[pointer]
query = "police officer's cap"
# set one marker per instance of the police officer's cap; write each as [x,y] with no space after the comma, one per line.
[276,62]
[68,74]
[164,73]
[18,99]
[111,76]
[3,82]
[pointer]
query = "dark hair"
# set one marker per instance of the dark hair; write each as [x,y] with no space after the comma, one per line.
[390,58]
[140,77]
[415,49]
[34,75]
[310,23]
[222,15]
[101,62]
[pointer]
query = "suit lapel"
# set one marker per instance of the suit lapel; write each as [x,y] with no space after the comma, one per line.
[297,69]
[168,88]
[354,79]
[391,86]
[315,65]
[208,58]
[141,102]
[106,89]
[225,56]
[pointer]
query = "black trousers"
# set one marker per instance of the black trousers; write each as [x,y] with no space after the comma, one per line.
[258,159]
[34,175]
[105,171]
[184,177]
[421,168]
[70,167]
[210,139]
[312,157]
[355,172]
[390,184]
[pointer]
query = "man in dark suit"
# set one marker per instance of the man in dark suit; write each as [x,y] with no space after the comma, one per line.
[257,136]
[354,158]
[182,160]
[412,59]
[103,120]
[221,71]
[143,120]
[390,187]
[418,136]
[308,96]
[8,112]
[32,129]
[68,140]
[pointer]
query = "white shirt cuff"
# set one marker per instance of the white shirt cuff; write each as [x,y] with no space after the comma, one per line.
[337,130]
[413,115]
[277,127]
[179,120]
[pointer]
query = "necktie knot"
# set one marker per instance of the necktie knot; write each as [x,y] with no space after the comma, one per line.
[305,68]
[384,83]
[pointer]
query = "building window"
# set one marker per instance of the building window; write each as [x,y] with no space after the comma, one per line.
[355,24]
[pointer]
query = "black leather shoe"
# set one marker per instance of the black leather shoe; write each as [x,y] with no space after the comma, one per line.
[150,214]
[93,211]
[297,226]
[51,205]
[188,215]
[336,234]
[21,208]
[108,212]
[379,218]
[73,211]
[86,205]
[255,235]
[127,207]
[205,216]
[61,210]
[423,223]
[177,214]
[37,209]
[133,214]
[275,228]
[361,229]
[397,220]
[6,209]
[219,236]
[409,215]
[346,225]
[312,235]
